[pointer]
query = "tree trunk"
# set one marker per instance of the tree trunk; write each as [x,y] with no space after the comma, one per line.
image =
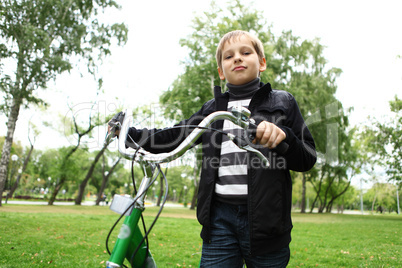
[63,177]
[317,197]
[303,197]
[84,183]
[323,204]
[104,182]
[328,209]
[65,160]
[321,208]
[194,200]
[195,193]
[196,172]
[333,198]
[57,188]
[313,204]
[372,204]
[8,142]
[26,161]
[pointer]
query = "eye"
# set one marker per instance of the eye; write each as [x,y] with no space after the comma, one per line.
[228,57]
[246,53]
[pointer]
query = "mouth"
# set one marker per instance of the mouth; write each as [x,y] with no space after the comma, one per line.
[238,68]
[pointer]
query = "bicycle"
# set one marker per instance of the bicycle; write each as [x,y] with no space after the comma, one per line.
[131,243]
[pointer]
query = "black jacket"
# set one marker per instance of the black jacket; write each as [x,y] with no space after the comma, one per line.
[269,189]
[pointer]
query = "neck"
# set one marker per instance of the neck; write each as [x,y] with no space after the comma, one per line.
[245,89]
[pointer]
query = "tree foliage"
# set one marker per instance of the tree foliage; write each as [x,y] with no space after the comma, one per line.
[381,197]
[295,65]
[42,38]
[384,141]
[194,87]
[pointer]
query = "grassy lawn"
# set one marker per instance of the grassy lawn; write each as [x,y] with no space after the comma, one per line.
[331,240]
[74,236]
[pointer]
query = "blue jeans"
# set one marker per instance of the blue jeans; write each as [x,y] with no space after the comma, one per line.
[230,241]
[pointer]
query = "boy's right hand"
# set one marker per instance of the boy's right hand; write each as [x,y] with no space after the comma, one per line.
[269,135]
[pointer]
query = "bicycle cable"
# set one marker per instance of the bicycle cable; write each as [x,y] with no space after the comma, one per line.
[147,232]
[123,214]
[145,238]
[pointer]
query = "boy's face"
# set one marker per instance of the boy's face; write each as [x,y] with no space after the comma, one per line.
[240,62]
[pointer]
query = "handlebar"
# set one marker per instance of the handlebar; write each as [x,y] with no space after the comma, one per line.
[239,116]
[130,240]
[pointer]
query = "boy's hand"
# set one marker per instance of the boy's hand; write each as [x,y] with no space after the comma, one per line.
[269,135]
[115,123]
[116,132]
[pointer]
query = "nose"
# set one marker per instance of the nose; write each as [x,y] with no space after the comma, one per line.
[238,58]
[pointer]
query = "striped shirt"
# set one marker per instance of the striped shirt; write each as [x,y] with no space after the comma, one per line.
[231,186]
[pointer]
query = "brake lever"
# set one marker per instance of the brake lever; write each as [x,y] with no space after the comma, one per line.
[251,132]
[115,125]
[111,135]
[245,145]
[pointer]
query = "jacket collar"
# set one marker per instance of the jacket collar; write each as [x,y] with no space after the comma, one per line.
[260,96]
[221,99]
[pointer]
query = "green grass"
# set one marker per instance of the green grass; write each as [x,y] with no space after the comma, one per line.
[74,236]
[331,240]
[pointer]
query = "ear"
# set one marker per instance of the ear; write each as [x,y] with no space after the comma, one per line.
[221,75]
[263,65]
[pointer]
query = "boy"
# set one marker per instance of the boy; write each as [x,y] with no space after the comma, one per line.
[243,207]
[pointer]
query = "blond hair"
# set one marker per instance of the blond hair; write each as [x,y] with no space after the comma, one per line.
[257,44]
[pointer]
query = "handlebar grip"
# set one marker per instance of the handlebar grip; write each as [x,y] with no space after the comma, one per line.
[281,148]
[117,118]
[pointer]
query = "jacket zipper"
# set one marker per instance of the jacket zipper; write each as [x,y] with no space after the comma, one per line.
[250,222]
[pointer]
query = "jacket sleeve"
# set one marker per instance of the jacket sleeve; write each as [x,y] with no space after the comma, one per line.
[301,154]
[167,139]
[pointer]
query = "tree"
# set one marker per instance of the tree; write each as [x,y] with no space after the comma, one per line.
[43,164]
[334,177]
[194,87]
[16,153]
[179,179]
[32,133]
[105,178]
[90,171]
[386,141]
[347,200]
[300,68]
[381,197]
[79,132]
[295,65]
[42,39]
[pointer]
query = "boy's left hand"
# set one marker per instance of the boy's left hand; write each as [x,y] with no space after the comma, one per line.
[269,135]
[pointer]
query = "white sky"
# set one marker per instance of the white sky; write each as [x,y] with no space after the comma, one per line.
[363,38]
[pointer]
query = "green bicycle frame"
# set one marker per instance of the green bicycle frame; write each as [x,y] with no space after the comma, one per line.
[130,235]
